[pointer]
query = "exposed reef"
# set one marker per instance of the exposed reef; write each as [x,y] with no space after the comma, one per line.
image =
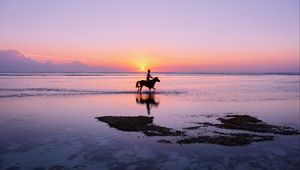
[138,123]
[239,130]
[249,123]
[232,139]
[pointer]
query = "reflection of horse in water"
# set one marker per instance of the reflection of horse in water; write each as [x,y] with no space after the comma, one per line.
[148,99]
[150,84]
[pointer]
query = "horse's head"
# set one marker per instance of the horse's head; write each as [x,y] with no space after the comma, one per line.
[156,79]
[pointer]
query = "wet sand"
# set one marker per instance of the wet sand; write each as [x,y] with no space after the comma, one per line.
[201,125]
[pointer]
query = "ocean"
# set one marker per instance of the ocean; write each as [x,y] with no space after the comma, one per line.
[51,120]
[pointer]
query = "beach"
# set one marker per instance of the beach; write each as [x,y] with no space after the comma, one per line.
[49,120]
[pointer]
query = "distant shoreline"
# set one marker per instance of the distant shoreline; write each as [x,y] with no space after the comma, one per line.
[130,73]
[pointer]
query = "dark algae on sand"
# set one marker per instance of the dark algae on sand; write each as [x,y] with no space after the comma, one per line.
[239,130]
[143,124]
[249,123]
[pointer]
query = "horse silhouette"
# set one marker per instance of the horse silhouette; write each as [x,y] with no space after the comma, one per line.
[150,84]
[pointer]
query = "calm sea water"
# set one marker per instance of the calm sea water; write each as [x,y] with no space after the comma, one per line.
[48,119]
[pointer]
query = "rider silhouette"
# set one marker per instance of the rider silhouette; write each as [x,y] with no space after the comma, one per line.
[149,75]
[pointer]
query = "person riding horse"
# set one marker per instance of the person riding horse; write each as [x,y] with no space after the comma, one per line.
[148,82]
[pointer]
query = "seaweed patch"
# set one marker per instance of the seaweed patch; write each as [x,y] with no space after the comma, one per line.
[248,124]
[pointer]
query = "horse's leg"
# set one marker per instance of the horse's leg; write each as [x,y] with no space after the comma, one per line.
[137,85]
[141,87]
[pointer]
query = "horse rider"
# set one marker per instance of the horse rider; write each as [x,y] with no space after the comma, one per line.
[148,75]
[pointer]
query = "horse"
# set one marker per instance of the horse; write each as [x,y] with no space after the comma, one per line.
[150,84]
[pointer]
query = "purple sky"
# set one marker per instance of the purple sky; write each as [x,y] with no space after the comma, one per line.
[106,32]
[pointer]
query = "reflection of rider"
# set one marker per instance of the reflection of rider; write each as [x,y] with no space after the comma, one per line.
[148,75]
[148,99]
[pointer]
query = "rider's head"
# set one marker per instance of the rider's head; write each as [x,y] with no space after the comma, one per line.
[149,71]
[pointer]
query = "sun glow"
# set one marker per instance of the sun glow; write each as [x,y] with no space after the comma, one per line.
[142,68]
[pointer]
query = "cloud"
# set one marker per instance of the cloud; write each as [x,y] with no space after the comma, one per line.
[14,61]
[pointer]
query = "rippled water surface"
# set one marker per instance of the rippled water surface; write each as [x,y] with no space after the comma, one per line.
[48,120]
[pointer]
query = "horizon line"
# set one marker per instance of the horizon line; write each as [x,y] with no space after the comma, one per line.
[164,72]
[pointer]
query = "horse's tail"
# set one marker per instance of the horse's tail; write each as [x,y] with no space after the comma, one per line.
[137,84]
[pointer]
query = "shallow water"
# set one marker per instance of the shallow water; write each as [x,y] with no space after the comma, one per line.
[49,119]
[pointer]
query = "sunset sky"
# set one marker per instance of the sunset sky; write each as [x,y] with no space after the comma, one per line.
[164,35]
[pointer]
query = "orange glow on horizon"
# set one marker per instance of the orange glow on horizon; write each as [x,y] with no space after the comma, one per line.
[140,60]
